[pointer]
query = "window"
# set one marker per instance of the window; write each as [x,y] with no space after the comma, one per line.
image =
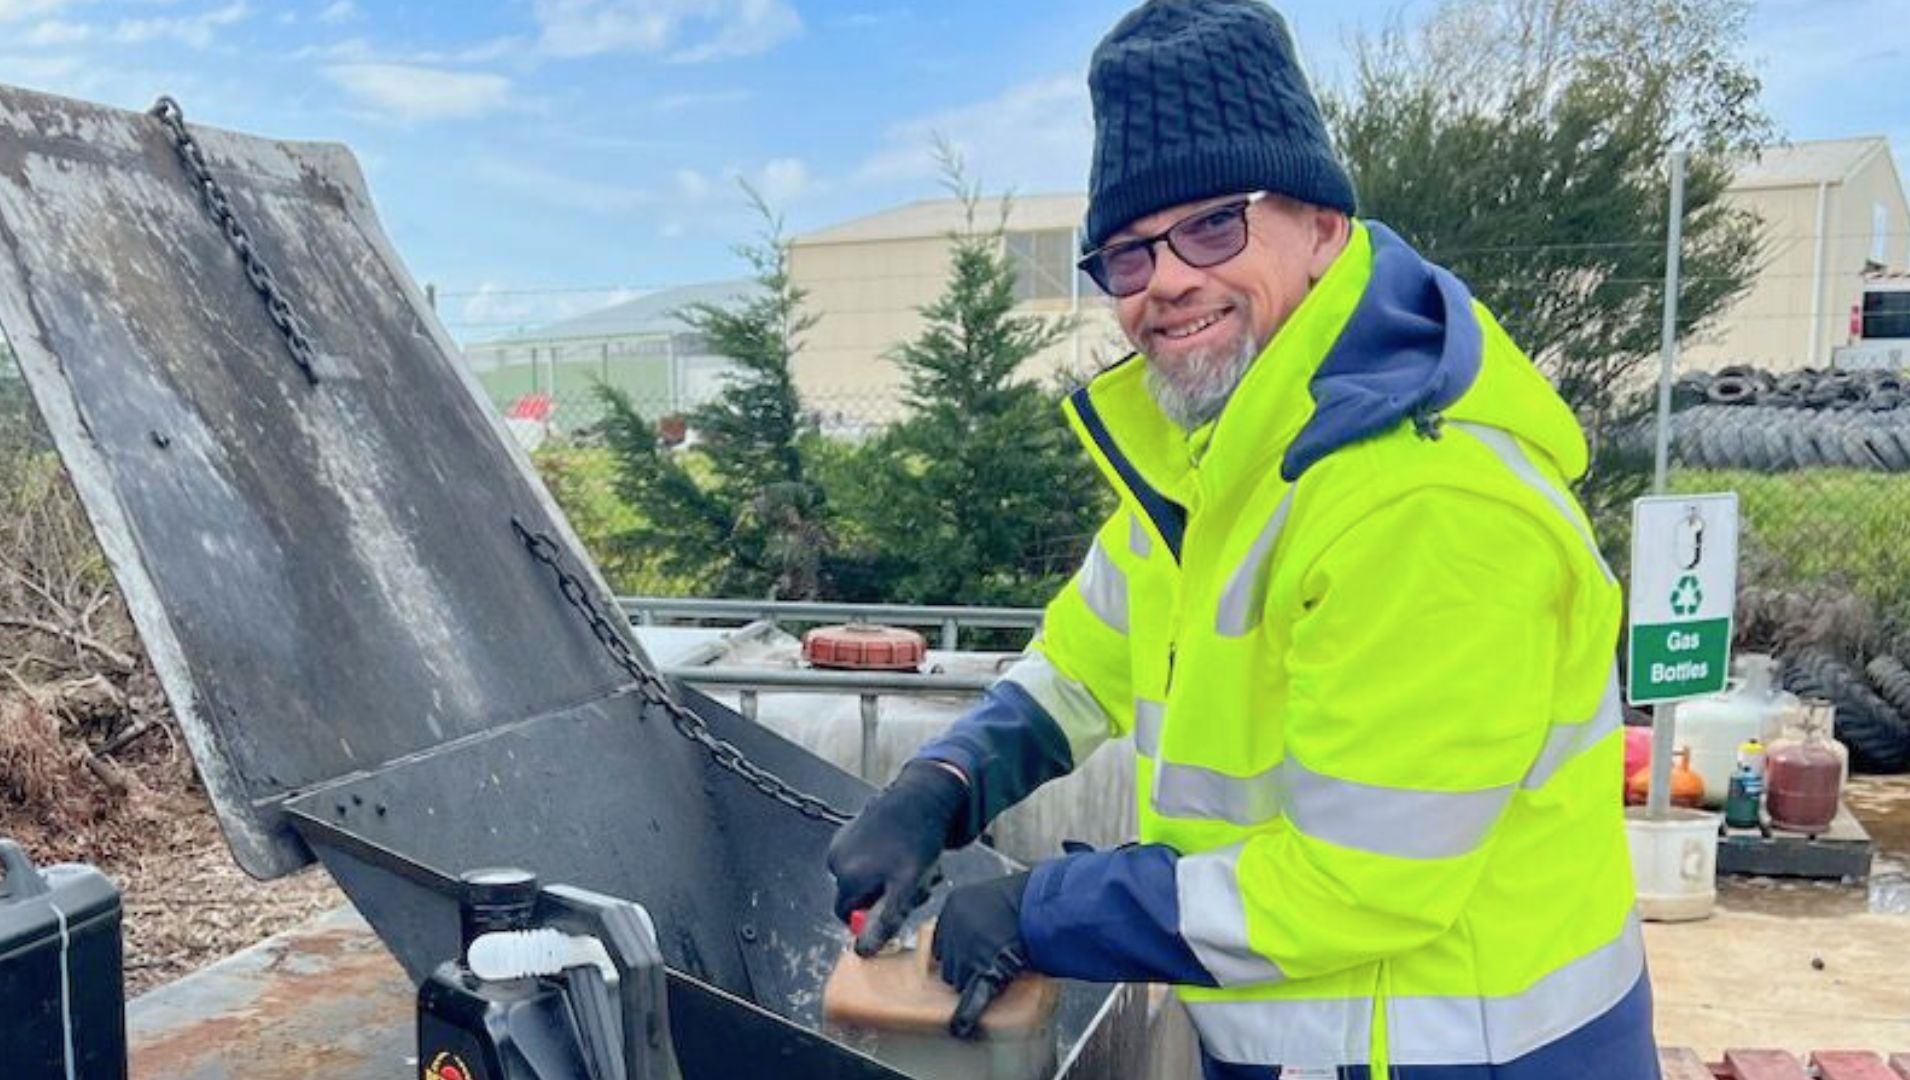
[1044,264]
[1886,314]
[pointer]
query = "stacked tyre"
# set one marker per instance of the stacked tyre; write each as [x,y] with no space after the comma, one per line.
[1745,418]
[1873,705]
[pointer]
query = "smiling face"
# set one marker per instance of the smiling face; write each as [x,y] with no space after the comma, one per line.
[1200,329]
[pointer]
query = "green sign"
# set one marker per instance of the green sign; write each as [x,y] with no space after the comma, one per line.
[1683,588]
[1678,660]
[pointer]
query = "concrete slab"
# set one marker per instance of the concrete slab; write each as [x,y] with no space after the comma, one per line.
[1743,979]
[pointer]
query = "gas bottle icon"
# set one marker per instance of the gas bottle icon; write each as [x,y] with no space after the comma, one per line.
[1688,539]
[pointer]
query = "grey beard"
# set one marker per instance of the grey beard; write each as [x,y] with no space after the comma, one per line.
[1196,397]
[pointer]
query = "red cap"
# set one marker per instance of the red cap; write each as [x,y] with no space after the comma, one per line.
[857,920]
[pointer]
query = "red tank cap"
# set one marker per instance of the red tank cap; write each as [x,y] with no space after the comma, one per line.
[864,647]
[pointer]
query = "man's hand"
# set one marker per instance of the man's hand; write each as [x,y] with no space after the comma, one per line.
[886,856]
[978,941]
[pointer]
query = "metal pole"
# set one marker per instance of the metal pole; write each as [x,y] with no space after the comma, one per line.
[1074,302]
[1674,242]
[1664,725]
[951,634]
[747,699]
[1664,718]
[871,715]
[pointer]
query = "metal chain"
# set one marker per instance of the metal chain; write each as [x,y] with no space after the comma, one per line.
[256,271]
[655,691]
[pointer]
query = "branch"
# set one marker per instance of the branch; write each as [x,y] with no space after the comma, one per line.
[113,656]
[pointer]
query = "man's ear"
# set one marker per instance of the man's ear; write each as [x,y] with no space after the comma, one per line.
[1329,230]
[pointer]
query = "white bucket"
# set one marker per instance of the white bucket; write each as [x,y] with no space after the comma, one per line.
[1675,862]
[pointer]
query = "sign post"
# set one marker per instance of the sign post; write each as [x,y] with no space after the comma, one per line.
[1684,584]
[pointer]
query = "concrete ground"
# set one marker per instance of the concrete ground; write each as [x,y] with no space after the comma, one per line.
[1797,966]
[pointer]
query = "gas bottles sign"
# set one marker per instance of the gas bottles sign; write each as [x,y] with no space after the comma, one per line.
[1684,586]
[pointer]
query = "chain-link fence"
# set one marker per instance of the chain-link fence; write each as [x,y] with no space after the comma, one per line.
[1820,461]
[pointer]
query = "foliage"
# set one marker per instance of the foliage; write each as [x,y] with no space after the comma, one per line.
[974,489]
[1522,143]
[748,523]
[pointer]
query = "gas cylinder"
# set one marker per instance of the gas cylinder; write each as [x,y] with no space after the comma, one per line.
[1687,787]
[1805,779]
[1714,727]
[1747,787]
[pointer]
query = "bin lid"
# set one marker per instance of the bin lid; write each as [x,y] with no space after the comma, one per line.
[325,576]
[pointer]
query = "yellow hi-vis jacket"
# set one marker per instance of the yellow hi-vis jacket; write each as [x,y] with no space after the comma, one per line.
[1375,706]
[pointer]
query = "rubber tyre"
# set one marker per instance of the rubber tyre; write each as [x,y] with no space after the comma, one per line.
[1877,735]
[1891,680]
[1733,390]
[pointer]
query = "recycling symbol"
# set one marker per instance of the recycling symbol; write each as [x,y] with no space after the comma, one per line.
[1686,596]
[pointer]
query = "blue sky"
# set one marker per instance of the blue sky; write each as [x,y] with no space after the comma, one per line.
[535,158]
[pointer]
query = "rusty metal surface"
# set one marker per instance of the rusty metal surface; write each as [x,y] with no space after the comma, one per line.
[323,1000]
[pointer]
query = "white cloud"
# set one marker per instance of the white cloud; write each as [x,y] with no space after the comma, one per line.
[339,11]
[677,102]
[422,93]
[692,185]
[43,72]
[56,32]
[783,181]
[361,50]
[685,30]
[194,30]
[494,310]
[557,189]
[1033,137]
[12,10]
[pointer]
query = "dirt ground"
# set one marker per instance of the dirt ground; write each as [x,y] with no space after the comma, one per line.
[151,829]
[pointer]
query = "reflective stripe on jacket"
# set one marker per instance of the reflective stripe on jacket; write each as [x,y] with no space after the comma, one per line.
[1366,657]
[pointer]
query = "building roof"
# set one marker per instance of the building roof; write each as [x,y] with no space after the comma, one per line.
[1807,164]
[652,314]
[939,217]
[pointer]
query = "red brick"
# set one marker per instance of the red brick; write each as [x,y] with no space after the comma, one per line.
[1851,1065]
[1680,1063]
[1901,1063]
[1763,1065]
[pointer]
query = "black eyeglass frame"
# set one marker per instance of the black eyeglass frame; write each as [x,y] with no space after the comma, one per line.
[1095,263]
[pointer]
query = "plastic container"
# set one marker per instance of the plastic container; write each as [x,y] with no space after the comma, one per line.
[895,1008]
[62,991]
[1713,727]
[1805,779]
[1675,863]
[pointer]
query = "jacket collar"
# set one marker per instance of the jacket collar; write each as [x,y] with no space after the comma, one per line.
[1151,460]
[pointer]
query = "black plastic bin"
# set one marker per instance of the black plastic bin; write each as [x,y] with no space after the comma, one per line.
[62,990]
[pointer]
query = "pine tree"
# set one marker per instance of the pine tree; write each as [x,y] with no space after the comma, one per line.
[983,482]
[735,516]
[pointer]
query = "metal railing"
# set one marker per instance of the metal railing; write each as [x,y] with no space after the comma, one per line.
[645,610]
[869,686]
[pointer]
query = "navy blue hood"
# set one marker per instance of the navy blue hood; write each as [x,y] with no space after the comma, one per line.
[1410,349]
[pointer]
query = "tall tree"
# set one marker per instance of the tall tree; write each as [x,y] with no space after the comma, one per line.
[1523,144]
[736,516]
[982,483]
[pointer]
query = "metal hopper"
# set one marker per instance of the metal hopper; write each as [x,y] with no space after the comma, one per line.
[322,561]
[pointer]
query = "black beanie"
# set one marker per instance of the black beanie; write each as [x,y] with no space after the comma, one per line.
[1198,98]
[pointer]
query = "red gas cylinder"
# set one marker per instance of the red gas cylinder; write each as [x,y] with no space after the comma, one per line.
[864,647]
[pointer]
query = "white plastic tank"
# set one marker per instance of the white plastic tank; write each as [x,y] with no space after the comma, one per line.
[1751,707]
[1094,804]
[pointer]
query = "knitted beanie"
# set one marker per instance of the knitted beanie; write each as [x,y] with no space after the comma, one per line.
[1198,98]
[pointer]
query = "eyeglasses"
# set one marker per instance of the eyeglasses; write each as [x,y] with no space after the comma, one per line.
[1206,238]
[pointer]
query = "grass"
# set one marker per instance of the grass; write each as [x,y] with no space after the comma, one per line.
[1828,528]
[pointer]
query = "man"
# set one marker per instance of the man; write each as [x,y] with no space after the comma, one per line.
[1348,610]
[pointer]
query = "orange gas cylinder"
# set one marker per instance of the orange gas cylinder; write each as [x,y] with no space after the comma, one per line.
[1687,787]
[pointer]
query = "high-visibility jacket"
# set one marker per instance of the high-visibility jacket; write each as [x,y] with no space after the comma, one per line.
[1363,639]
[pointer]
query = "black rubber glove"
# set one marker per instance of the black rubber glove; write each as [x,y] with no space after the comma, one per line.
[885,859]
[978,941]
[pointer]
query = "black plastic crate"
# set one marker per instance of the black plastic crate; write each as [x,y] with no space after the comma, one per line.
[62,989]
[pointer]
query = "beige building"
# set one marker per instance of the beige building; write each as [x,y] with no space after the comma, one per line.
[868,278]
[1832,212]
